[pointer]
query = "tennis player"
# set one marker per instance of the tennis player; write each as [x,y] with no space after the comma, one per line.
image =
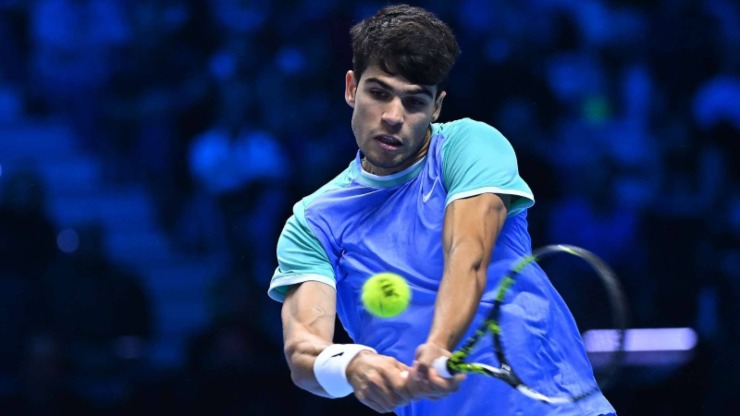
[441,204]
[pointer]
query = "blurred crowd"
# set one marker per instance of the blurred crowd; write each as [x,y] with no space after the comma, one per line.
[625,116]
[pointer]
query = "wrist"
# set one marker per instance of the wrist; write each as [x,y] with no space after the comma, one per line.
[330,368]
[445,341]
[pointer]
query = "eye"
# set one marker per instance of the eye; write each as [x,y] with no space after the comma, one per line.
[378,94]
[415,102]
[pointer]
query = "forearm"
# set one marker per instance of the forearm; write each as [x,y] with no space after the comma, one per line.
[301,355]
[470,232]
[308,316]
[462,286]
[323,368]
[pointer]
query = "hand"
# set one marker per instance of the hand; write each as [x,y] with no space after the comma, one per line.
[423,380]
[379,381]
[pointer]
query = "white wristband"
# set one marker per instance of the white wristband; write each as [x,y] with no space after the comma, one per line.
[330,368]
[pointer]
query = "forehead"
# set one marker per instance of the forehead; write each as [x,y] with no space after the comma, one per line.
[397,82]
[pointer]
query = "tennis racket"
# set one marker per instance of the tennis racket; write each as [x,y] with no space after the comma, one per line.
[597,304]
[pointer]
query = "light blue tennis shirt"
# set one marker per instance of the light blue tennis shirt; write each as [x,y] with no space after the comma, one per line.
[359,224]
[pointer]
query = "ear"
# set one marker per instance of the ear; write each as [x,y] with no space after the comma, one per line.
[438,105]
[350,88]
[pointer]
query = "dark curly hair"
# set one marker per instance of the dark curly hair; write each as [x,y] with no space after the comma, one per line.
[405,40]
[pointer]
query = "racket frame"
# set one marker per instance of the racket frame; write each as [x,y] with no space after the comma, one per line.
[448,366]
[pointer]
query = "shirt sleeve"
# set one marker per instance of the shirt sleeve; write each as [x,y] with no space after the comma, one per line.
[301,258]
[478,159]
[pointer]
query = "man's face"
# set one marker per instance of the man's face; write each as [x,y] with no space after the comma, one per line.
[391,118]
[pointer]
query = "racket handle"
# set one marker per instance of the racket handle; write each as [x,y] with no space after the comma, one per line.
[440,364]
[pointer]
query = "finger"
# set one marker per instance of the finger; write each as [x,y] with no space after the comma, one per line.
[422,371]
[391,393]
[416,381]
[404,390]
[422,366]
[389,388]
[377,399]
[438,378]
[362,397]
[458,379]
[420,388]
[433,386]
[441,386]
[403,370]
[375,406]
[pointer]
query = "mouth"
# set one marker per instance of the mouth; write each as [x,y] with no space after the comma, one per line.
[388,142]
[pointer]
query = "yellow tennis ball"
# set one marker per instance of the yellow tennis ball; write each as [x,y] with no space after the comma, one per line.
[386,294]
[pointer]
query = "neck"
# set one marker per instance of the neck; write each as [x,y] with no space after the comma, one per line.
[367,167]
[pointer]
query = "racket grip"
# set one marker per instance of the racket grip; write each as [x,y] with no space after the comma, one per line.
[440,364]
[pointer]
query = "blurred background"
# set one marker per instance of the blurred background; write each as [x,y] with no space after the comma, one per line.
[151,150]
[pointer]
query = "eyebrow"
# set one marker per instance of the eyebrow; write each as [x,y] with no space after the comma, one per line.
[412,91]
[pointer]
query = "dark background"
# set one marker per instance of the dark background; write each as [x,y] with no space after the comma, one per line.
[150,152]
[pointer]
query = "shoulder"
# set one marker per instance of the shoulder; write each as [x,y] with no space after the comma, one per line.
[477,158]
[467,127]
[468,136]
[469,132]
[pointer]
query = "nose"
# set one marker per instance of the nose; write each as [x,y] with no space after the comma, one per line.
[393,113]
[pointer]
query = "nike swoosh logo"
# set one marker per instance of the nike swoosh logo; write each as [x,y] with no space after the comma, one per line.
[428,195]
[339,354]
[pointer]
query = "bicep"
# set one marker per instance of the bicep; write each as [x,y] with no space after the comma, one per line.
[309,309]
[477,219]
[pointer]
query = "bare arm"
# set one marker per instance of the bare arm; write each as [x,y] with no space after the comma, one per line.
[471,228]
[308,314]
